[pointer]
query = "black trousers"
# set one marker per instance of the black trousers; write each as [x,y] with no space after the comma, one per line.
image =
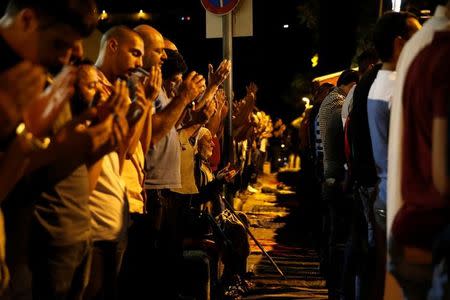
[60,272]
[106,265]
[167,211]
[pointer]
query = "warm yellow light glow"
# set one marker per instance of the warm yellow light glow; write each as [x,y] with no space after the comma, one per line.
[315,60]
[307,103]
[103,15]
[142,14]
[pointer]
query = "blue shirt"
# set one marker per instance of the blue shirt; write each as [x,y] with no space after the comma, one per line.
[163,160]
[378,113]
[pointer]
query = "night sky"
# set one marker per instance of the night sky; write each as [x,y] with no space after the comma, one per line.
[274,56]
[271,58]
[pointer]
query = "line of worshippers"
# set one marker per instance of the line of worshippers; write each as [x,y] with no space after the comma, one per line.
[377,149]
[101,161]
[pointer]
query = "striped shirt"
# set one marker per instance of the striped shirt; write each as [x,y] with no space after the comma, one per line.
[330,104]
[319,144]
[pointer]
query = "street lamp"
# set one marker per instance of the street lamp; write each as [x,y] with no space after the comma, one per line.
[396,5]
[307,103]
[103,15]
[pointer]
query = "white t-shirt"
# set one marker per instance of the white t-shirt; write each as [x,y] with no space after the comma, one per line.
[133,175]
[347,105]
[108,202]
[395,149]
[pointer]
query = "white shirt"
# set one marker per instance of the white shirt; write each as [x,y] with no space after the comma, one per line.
[133,175]
[347,105]
[417,42]
[108,202]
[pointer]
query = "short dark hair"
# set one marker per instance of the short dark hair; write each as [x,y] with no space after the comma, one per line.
[321,92]
[83,62]
[81,15]
[365,59]
[347,77]
[121,33]
[390,26]
[174,64]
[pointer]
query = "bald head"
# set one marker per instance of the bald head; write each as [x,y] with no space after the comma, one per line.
[169,45]
[121,34]
[121,50]
[154,54]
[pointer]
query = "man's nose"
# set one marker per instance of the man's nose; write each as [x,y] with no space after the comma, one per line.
[139,63]
[164,55]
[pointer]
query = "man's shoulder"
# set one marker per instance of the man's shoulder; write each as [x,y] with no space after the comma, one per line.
[383,86]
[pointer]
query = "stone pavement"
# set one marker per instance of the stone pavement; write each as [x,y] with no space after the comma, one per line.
[277,221]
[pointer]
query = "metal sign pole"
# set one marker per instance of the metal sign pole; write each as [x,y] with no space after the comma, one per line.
[227,22]
[228,54]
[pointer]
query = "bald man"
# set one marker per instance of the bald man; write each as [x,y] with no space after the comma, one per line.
[168,44]
[121,51]
[163,160]
[154,54]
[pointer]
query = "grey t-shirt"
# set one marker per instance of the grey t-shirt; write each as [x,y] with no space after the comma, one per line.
[61,209]
[162,162]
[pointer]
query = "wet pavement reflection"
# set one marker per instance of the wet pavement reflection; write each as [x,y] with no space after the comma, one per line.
[277,219]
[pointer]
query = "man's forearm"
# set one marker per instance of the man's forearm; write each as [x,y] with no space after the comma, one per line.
[214,123]
[165,120]
[245,111]
[58,151]
[138,130]
[146,135]
[207,96]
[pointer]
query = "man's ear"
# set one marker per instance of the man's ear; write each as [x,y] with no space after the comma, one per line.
[27,20]
[113,45]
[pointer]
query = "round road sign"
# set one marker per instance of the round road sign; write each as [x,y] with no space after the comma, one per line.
[220,7]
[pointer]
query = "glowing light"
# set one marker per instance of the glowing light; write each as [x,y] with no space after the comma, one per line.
[103,15]
[396,5]
[142,14]
[286,26]
[307,102]
[315,60]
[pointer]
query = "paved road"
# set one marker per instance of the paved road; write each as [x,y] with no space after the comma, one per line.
[276,221]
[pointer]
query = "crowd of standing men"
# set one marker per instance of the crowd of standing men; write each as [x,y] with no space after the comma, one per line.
[107,166]
[377,146]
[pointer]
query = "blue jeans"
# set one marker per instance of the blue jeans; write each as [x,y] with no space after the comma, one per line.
[413,278]
[440,288]
[60,272]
